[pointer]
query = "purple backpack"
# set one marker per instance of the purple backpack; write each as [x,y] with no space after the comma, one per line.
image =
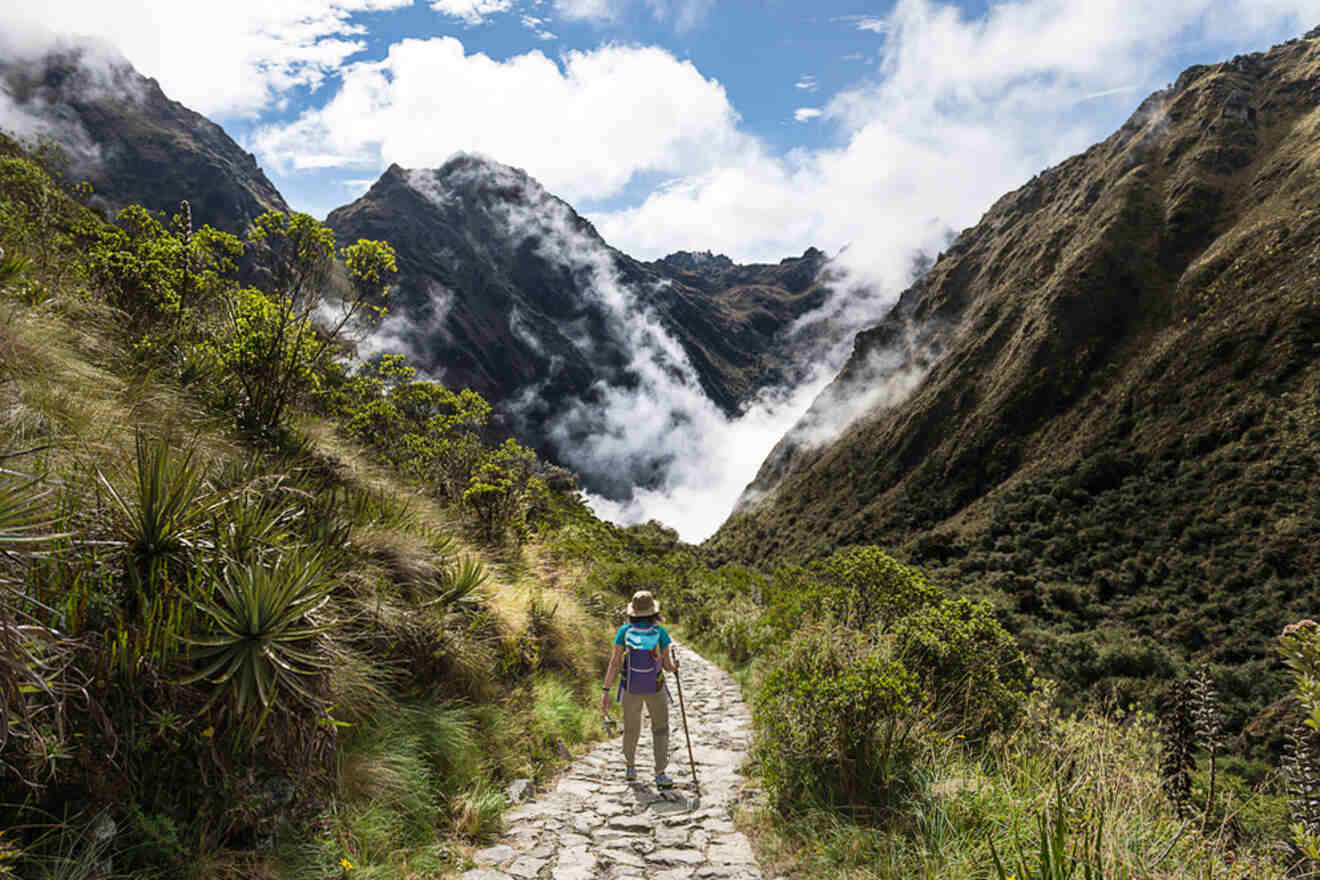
[641,666]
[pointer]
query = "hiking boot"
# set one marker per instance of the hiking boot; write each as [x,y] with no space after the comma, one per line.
[630,773]
[663,782]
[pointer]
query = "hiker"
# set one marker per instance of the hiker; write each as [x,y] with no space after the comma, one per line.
[641,651]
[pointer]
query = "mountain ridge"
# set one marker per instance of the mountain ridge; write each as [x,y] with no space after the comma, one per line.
[1113,436]
[505,288]
[133,143]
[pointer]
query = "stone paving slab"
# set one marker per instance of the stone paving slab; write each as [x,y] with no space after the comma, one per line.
[596,825]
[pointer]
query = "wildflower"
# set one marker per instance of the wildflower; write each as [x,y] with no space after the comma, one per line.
[346,864]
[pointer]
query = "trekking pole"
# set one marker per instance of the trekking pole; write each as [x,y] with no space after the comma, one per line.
[683,711]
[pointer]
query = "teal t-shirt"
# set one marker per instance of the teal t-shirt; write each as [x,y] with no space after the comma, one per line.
[664,636]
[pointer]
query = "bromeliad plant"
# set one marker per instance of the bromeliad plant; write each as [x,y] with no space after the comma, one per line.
[162,522]
[262,621]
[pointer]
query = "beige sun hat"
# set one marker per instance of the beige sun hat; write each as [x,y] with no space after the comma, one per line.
[643,604]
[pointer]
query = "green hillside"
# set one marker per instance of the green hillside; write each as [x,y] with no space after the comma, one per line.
[256,616]
[1115,434]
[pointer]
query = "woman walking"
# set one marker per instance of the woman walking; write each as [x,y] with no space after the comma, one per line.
[641,653]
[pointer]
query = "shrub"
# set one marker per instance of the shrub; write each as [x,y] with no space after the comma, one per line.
[834,715]
[857,588]
[970,668]
[162,281]
[273,345]
[498,489]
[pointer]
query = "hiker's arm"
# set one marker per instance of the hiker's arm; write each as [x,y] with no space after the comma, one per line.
[668,660]
[615,659]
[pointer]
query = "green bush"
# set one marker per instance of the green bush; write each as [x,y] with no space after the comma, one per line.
[858,588]
[970,668]
[834,717]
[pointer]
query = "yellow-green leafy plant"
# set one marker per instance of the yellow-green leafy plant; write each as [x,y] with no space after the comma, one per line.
[498,488]
[260,648]
[274,346]
[163,281]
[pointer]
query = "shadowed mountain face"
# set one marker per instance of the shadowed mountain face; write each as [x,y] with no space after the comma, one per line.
[505,289]
[1104,399]
[121,133]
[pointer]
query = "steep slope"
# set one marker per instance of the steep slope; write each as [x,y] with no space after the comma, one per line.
[506,289]
[134,144]
[1115,390]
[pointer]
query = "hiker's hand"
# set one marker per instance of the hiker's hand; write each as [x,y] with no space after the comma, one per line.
[605,702]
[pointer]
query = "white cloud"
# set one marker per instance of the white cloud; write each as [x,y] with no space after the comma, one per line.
[874,25]
[231,58]
[537,26]
[958,112]
[583,125]
[599,11]
[805,114]
[471,11]
[683,15]
[806,83]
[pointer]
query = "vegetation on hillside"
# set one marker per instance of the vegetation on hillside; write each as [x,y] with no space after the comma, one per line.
[260,614]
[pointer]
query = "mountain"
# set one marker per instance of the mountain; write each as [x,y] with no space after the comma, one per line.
[1100,407]
[505,289]
[132,143]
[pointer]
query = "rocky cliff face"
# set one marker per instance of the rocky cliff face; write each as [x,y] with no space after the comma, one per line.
[121,133]
[506,289]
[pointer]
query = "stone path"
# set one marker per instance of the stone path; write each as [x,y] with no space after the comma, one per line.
[595,825]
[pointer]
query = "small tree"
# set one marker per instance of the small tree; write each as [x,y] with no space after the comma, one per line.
[275,348]
[498,488]
[162,281]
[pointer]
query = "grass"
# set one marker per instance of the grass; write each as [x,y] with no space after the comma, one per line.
[1088,785]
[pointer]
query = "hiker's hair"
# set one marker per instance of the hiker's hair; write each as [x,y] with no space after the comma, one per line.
[649,618]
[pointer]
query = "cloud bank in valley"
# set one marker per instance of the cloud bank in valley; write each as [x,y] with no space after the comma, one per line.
[659,426]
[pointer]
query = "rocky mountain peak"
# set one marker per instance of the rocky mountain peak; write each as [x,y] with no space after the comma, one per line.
[129,140]
[691,261]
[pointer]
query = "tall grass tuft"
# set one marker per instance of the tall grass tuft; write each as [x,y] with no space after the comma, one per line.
[560,713]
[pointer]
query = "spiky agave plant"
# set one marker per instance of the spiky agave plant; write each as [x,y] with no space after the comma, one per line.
[261,623]
[12,267]
[457,581]
[161,522]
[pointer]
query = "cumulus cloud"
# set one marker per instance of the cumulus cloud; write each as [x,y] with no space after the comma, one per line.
[584,124]
[806,114]
[958,111]
[232,58]
[471,11]
[806,83]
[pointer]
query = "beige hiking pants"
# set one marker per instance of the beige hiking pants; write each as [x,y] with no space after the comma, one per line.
[657,706]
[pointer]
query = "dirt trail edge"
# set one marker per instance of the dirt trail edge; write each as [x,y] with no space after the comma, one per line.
[596,825]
